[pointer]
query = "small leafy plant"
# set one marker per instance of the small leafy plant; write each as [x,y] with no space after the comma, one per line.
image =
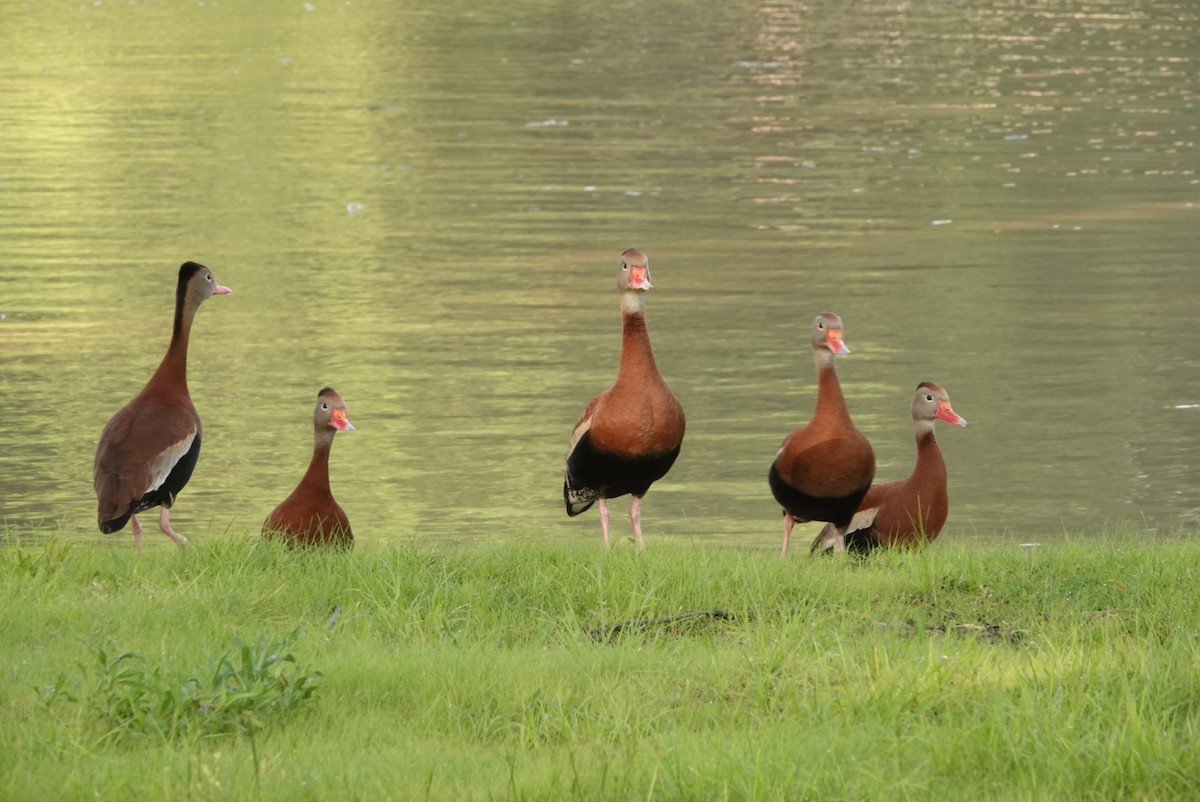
[249,689]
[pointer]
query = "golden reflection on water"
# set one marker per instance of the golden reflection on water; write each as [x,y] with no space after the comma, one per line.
[422,207]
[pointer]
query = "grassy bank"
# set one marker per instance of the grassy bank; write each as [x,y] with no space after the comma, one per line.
[1069,671]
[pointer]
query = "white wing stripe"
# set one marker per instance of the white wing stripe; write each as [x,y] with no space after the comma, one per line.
[162,465]
[862,519]
[578,434]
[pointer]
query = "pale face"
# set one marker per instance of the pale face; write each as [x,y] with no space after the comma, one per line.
[203,285]
[331,412]
[827,333]
[634,272]
[931,402]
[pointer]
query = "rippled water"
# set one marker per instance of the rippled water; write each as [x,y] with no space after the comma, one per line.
[422,205]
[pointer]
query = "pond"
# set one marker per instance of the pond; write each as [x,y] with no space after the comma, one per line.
[422,205]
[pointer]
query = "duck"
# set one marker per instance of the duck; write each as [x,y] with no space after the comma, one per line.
[912,511]
[148,449]
[630,435]
[310,516]
[824,468]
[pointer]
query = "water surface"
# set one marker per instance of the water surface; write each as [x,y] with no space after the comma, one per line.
[422,206]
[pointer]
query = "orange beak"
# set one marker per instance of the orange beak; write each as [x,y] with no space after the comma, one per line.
[946,413]
[639,278]
[339,421]
[833,341]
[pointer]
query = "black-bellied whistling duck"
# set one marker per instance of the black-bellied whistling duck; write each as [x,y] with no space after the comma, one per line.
[628,436]
[824,468]
[310,516]
[911,511]
[148,450]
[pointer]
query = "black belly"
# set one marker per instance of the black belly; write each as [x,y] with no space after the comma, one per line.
[164,495]
[862,540]
[837,510]
[608,474]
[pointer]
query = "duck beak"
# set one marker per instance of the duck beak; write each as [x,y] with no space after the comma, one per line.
[340,422]
[833,341]
[639,278]
[946,413]
[221,289]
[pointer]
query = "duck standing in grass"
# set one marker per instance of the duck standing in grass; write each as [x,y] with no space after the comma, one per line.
[629,435]
[310,517]
[912,511]
[149,448]
[824,468]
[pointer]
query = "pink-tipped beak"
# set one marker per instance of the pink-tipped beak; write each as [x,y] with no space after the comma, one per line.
[639,278]
[340,421]
[221,289]
[833,341]
[949,415]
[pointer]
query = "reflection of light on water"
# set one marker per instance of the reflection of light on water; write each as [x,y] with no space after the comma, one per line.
[772,164]
[1114,76]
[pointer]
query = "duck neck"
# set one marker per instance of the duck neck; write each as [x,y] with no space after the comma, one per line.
[637,357]
[317,475]
[173,368]
[929,455]
[830,401]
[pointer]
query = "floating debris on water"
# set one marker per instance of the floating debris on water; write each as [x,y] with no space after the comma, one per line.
[551,123]
[942,222]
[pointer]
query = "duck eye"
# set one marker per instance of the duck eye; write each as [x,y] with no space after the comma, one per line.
[208,277]
[928,397]
[324,406]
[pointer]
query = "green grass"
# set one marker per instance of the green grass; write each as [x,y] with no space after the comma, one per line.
[967,671]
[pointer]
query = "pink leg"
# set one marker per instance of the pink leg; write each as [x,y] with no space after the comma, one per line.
[839,540]
[604,519]
[788,523]
[164,523]
[635,517]
[137,532]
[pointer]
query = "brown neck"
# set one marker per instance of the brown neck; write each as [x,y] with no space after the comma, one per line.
[172,371]
[637,358]
[830,401]
[929,455]
[317,475]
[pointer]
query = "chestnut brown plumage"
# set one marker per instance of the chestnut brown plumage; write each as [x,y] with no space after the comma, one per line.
[911,511]
[148,450]
[628,436]
[310,517]
[824,468]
